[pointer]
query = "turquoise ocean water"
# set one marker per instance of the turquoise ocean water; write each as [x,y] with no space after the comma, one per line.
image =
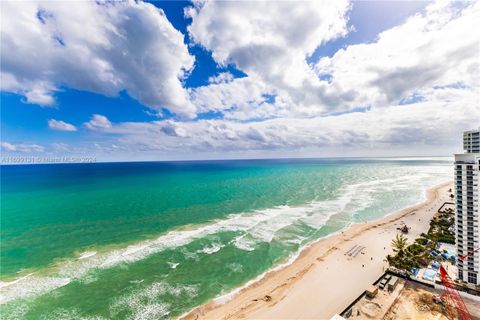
[153,240]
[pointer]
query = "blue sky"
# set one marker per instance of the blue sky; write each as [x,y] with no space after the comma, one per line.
[182,80]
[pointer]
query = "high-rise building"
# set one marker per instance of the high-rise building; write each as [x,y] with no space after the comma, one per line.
[467,192]
[471,141]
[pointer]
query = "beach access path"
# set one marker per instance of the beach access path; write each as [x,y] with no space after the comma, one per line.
[329,274]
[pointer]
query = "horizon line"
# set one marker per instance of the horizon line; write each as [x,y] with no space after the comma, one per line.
[407,158]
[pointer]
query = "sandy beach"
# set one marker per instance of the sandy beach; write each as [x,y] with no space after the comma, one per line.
[328,274]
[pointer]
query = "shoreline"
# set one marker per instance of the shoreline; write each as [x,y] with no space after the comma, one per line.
[288,290]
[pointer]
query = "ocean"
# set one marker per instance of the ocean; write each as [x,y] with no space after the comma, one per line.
[152,240]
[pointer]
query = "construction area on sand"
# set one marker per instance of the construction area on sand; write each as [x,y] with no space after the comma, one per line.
[405,300]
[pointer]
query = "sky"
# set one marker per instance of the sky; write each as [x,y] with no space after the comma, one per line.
[182,80]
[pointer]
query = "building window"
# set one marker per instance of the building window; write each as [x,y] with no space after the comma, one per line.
[472,277]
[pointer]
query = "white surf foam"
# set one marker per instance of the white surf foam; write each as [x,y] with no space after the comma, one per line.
[146,303]
[30,286]
[231,294]
[235,267]
[215,247]
[173,265]
[69,314]
[87,254]
[253,228]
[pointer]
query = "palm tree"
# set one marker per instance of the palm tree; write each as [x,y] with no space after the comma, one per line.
[399,243]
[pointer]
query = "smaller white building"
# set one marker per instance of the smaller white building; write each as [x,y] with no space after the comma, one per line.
[471,141]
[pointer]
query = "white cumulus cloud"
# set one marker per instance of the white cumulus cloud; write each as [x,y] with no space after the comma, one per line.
[98,122]
[60,125]
[432,49]
[223,77]
[271,40]
[22,147]
[438,47]
[411,90]
[102,47]
[436,124]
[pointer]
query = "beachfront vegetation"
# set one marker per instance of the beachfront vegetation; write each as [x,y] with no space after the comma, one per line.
[440,228]
[422,240]
[405,256]
[418,254]
[399,243]
[414,255]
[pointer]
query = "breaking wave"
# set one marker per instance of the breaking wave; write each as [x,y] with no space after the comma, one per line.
[283,223]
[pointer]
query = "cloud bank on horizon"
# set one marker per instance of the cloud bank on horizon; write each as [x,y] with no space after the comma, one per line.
[226,79]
